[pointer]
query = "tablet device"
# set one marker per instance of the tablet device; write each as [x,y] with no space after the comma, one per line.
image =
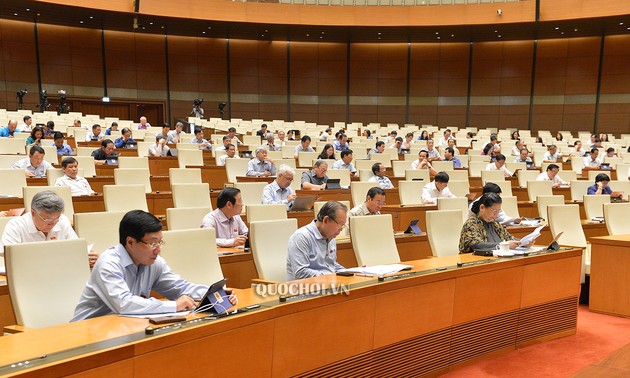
[303,203]
[246,154]
[215,300]
[332,184]
[413,227]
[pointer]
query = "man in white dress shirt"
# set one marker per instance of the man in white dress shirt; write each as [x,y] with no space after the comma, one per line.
[230,153]
[304,146]
[437,189]
[34,165]
[95,134]
[444,141]
[79,186]
[44,222]
[25,126]
[432,153]
[345,162]
[499,165]
[552,156]
[552,175]
[280,191]
[592,162]
[159,149]
[230,229]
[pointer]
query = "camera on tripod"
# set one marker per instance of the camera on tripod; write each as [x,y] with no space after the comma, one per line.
[197,110]
[20,96]
[62,107]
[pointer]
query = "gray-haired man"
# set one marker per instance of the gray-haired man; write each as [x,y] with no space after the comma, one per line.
[261,165]
[44,222]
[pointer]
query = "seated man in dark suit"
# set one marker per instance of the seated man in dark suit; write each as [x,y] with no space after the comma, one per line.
[105,153]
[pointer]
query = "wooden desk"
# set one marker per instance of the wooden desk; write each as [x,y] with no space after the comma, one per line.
[6,308]
[610,277]
[215,176]
[431,322]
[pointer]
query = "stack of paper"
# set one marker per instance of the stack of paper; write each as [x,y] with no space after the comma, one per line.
[378,270]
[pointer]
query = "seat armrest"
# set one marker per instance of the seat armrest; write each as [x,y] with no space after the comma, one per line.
[12,329]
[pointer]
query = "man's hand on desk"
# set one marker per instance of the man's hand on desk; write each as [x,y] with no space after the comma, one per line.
[232,297]
[240,240]
[185,303]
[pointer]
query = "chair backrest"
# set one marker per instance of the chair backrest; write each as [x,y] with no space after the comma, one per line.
[124,198]
[133,162]
[317,205]
[235,168]
[342,174]
[510,206]
[192,254]
[133,176]
[578,189]
[269,241]
[189,157]
[623,171]
[358,191]
[87,164]
[538,188]
[191,195]
[11,146]
[459,188]
[444,243]
[305,159]
[259,212]
[62,191]
[85,151]
[475,168]
[594,205]
[455,203]
[410,192]
[399,167]
[143,150]
[460,175]
[577,163]
[43,296]
[251,192]
[185,218]
[13,180]
[423,174]
[616,216]
[373,240]
[492,176]
[543,201]
[184,176]
[99,228]
[506,187]
[524,176]
[566,219]
[443,166]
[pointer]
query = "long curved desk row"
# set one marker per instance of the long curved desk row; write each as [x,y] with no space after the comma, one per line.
[430,320]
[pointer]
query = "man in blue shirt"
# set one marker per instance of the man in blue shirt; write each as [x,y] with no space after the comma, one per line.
[62,148]
[125,139]
[313,248]
[341,143]
[9,130]
[124,275]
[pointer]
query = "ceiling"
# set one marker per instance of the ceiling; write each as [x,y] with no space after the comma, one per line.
[30,11]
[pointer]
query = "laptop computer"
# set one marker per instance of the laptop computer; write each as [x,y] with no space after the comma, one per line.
[332,184]
[172,152]
[215,300]
[303,203]
[246,154]
[131,145]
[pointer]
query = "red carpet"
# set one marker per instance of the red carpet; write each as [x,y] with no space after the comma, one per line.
[597,337]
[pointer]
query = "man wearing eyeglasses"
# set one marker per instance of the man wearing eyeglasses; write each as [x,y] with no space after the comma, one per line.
[280,191]
[312,248]
[124,276]
[44,222]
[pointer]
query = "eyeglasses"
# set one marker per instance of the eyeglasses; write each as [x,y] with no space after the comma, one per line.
[48,220]
[153,245]
[338,224]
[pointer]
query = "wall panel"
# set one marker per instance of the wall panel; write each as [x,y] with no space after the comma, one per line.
[614,110]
